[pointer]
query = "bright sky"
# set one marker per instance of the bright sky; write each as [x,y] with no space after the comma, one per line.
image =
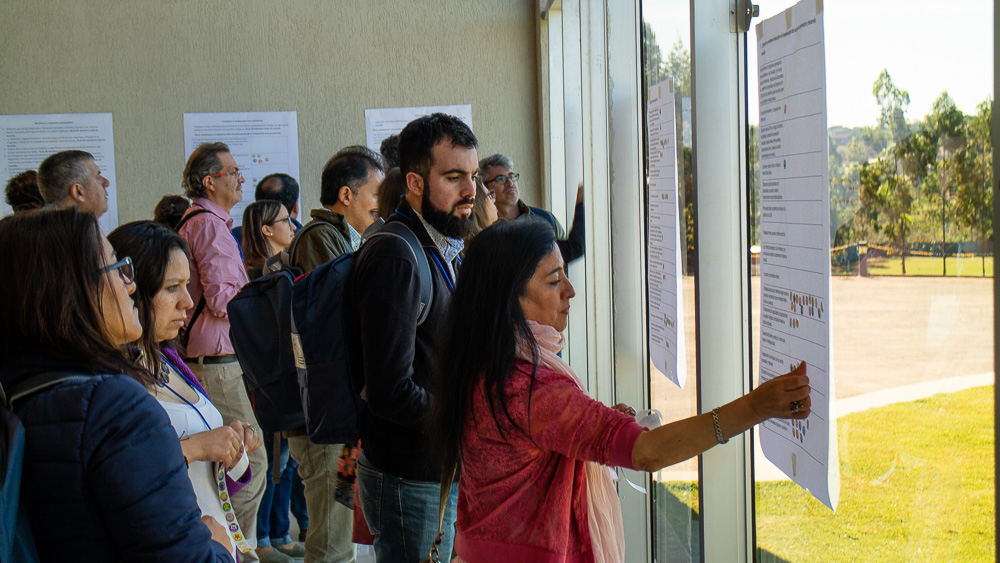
[928,47]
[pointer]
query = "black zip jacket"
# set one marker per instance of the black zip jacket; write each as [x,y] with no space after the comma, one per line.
[389,355]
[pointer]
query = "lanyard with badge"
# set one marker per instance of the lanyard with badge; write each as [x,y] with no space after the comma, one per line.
[232,525]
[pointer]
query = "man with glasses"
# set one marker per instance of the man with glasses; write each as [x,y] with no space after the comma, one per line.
[497,173]
[213,181]
[72,178]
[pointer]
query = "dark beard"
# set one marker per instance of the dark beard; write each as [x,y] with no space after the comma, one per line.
[446,222]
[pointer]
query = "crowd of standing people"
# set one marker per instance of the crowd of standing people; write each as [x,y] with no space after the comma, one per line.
[143,442]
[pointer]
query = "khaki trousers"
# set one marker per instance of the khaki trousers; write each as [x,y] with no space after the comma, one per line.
[330,522]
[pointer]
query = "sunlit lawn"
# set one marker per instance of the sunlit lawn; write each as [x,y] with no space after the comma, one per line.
[930,266]
[917,484]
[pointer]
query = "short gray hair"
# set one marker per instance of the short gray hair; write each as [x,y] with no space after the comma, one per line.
[495,160]
[202,162]
[60,171]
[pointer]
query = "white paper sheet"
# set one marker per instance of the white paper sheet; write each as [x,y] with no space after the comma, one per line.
[29,139]
[380,123]
[663,272]
[795,242]
[265,142]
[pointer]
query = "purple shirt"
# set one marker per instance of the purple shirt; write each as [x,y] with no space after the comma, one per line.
[216,273]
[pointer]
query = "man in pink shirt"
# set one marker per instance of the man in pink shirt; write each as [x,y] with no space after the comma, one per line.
[213,181]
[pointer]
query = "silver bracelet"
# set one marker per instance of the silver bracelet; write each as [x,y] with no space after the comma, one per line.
[718,428]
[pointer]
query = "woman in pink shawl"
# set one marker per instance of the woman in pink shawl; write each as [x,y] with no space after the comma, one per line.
[529,444]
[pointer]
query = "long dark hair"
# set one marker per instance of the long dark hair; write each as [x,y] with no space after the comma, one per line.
[256,249]
[51,282]
[485,321]
[149,244]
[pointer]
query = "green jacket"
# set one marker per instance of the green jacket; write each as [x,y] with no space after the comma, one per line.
[322,243]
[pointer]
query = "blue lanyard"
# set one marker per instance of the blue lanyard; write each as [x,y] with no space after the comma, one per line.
[179,396]
[444,271]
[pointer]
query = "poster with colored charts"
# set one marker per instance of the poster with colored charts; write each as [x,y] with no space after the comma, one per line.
[663,268]
[263,143]
[795,242]
[30,139]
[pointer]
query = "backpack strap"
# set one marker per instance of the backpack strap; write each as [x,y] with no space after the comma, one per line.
[396,228]
[201,301]
[301,232]
[36,383]
[185,218]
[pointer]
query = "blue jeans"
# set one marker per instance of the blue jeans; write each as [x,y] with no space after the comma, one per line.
[272,516]
[298,501]
[403,514]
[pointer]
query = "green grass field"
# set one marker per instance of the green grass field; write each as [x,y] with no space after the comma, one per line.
[917,484]
[930,266]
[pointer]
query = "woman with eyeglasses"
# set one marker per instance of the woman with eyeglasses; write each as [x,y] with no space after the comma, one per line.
[103,475]
[213,451]
[267,232]
[531,444]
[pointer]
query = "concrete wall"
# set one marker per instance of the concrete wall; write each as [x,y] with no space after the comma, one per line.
[148,62]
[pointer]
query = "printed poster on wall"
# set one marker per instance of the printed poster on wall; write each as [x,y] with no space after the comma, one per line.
[263,143]
[795,242]
[381,123]
[29,139]
[663,272]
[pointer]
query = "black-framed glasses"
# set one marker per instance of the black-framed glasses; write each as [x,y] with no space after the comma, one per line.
[285,220]
[235,174]
[513,176]
[124,267]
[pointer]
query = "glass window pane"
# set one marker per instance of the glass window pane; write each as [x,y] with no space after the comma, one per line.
[912,304]
[666,55]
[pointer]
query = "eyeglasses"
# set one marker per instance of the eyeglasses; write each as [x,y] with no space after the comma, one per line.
[492,194]
[285,220]
[513,176]
[235,174]
[124,267]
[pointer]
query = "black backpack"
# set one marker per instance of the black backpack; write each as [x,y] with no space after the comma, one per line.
[332,406]
[16,541]
[260,330]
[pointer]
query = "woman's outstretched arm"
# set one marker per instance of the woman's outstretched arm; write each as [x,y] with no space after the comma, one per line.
[785,396]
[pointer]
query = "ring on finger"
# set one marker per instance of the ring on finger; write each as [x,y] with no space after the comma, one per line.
[796,406]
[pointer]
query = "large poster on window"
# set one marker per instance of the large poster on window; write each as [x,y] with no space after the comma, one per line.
[663,272]
[795,242]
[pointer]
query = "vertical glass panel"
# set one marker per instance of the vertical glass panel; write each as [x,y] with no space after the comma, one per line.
[666,56]
[909,107]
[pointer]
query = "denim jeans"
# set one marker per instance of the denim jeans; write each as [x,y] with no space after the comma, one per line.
[272,517]
[298,500]
[403,514]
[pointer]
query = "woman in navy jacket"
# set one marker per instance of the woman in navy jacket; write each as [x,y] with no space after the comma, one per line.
[104,478]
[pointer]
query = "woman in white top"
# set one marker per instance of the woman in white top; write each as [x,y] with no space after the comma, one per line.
[216,454]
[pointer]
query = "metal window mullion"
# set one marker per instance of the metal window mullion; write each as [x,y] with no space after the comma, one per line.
[721,289]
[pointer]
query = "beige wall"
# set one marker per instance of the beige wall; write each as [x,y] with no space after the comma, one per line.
[147,62]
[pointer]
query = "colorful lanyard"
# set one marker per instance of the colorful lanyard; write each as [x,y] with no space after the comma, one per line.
[233,527]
